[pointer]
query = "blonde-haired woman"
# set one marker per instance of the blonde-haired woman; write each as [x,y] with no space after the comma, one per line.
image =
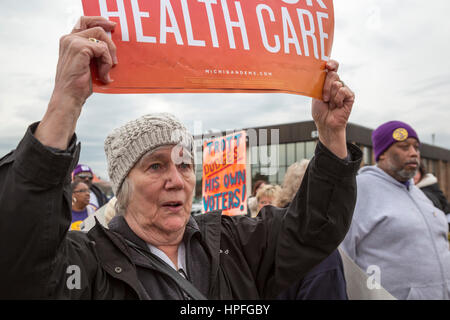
[267,195]
[291,182]
[326,281]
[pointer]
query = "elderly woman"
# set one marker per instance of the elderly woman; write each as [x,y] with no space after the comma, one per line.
[291,182]
[326,281]
[152,172]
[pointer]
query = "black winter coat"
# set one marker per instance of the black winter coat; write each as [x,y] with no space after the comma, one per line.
[101,197]
[435,194]
[227,257]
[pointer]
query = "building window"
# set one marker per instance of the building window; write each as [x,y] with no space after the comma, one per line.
[310,147]
[281,155]
[254,157]
[290,154]
[281,173]
[273,179]
[367,155]
[300,151]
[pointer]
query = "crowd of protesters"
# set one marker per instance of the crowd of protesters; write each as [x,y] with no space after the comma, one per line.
[327,280]
[298,240]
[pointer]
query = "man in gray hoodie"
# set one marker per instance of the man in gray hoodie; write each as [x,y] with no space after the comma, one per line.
[397,235]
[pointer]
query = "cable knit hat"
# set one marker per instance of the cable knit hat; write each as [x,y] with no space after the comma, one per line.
[388,133]
[127,144]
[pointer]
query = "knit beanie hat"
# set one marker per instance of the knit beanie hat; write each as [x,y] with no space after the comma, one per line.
[127,144]
[388,133]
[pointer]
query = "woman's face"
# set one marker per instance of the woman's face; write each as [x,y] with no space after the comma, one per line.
[81,194]
[264,201]
[162,192]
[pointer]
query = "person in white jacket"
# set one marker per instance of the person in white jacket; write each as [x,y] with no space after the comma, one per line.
[396,234]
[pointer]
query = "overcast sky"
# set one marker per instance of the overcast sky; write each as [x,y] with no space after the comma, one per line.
[393,54]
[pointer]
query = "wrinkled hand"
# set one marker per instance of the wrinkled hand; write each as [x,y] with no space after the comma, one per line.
[332,112]
[73,84]
[73,75]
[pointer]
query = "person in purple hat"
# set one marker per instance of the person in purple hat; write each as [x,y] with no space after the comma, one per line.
[83,173]
[396,233]
[153,248]
[396,150]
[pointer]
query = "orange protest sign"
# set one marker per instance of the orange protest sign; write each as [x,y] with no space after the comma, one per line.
[224,174]
[218,45]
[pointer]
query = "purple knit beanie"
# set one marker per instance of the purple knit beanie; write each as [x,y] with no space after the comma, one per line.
[388,133]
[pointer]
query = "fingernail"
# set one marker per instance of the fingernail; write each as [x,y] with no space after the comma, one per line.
[115,61]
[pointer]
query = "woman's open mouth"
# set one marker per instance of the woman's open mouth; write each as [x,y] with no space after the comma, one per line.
[173,205]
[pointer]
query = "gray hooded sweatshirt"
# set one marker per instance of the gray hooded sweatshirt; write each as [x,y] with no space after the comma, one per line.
[397,233]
